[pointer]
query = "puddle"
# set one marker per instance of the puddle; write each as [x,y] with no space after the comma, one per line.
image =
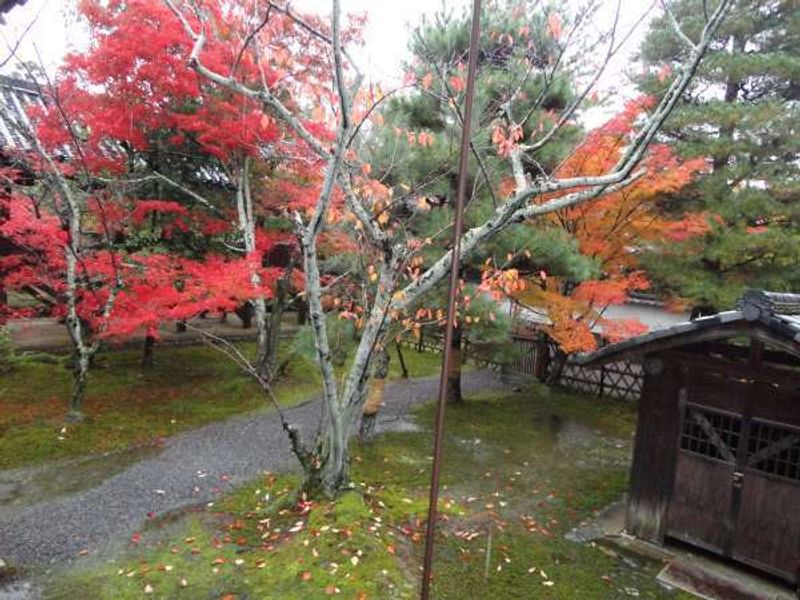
[571,434]
[26,487]
[399,424]
[20,590]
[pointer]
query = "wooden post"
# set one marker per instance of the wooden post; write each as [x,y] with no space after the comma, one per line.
[602,380]
[458,224]
[541,360]
[655,449]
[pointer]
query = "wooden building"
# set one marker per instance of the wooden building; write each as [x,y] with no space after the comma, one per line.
[716,460]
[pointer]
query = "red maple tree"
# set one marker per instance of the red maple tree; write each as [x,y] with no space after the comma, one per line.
[209,162]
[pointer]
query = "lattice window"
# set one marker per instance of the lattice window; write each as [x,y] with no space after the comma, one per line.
[711,433]
[774,449]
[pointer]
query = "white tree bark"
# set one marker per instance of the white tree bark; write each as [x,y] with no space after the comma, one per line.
[247,226]
[68,201]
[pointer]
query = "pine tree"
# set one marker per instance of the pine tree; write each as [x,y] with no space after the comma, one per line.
[418,148]
[741,112]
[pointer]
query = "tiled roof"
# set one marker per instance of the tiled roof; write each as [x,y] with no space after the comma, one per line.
[7,5]
[16,95]
[777,312]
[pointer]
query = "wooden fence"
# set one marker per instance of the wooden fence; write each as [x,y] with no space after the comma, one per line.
[616,380]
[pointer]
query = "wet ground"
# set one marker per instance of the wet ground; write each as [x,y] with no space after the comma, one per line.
[29,486]
[65,512]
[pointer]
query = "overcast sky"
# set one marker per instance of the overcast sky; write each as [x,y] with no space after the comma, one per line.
[55,32]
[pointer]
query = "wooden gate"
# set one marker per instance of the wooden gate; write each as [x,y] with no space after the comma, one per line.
[737,483]
[699,510]
[767,533]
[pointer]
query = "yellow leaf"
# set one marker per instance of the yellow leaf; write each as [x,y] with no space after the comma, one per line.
[318,114]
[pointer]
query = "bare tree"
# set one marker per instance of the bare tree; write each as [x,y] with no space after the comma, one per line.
[536,194]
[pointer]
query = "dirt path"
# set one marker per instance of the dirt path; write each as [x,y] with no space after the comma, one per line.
[191,468]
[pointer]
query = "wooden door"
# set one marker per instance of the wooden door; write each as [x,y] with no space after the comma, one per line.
[700,507]
[768,520]
[737,488]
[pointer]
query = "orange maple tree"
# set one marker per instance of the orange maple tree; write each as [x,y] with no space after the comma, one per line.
[610,232]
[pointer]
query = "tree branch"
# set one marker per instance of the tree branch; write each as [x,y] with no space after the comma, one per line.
[676,26]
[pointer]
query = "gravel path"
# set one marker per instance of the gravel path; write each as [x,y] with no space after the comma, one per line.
[192,468]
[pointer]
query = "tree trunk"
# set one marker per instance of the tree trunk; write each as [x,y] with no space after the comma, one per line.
[329,470]
[732,86]
[262,336]
[4,310]
[403,368]
[147,351]
[302,312]
[80,374]
[267,361]
[180,327]
[245,312]
[374,400]
[454,370]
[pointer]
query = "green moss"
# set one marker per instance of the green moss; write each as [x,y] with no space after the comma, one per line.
[418,364]
[521,470]
[259,544]
[350,509]
[127,405]
[398,504]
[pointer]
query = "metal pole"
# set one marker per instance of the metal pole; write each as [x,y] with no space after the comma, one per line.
[451,302]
